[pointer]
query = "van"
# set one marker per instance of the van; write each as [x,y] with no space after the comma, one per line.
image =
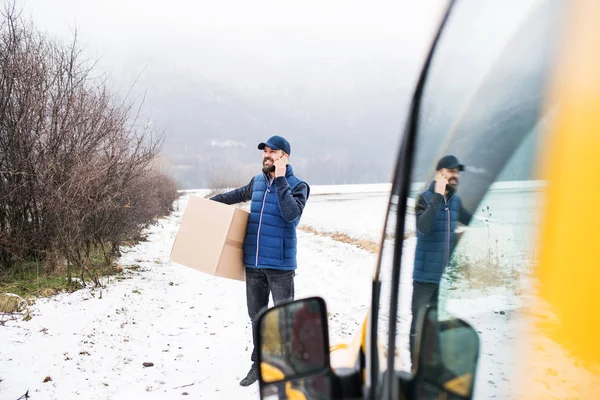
[513,91]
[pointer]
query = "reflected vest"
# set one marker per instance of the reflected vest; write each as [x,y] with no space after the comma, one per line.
[434,248]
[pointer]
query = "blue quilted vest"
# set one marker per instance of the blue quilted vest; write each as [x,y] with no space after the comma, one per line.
[270,241]
[434,248]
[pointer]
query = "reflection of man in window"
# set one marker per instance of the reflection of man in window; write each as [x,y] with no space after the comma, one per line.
[438,211]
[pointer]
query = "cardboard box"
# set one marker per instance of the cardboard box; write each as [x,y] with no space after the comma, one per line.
[211,238]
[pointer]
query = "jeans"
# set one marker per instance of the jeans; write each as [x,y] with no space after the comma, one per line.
[259,283]
[423,294]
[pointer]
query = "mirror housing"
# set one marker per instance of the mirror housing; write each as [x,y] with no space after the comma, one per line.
[293,350]
[447,358]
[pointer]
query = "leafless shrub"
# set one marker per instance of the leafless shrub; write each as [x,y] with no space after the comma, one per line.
[76,165]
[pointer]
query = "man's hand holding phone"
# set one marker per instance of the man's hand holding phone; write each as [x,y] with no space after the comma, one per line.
[440,183]
[281,166]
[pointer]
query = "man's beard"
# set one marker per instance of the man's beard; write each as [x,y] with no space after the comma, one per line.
[267,169]
[452,185]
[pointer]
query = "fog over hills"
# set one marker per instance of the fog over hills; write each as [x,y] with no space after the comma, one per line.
[216,78]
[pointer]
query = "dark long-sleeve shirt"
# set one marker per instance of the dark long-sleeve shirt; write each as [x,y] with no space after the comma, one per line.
[291,203]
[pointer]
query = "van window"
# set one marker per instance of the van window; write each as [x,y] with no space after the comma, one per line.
[484,104]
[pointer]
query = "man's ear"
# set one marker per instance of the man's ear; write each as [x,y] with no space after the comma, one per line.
[286,157]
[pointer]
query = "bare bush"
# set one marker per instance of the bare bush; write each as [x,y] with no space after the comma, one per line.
[76,166]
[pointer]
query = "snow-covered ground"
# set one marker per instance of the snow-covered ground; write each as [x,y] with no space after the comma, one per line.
[194,327]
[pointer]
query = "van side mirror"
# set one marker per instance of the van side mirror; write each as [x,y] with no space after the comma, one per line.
[447,358]
[293,350]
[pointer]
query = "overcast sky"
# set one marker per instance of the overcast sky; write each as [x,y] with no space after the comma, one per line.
[238,71]
[249,45]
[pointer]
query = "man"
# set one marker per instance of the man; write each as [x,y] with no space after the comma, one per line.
[438,211]
[278,198]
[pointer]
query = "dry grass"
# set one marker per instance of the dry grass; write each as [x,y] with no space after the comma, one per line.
[364,244]
[11,303]
[483,273]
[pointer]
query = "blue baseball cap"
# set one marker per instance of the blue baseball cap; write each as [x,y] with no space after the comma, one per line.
[449,162]
[277,143]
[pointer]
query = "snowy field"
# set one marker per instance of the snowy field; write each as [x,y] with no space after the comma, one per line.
[194,328]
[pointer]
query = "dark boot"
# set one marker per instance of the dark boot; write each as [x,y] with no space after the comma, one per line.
[251,377]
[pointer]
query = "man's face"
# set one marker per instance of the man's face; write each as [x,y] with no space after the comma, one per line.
[452,175]
[269,158]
